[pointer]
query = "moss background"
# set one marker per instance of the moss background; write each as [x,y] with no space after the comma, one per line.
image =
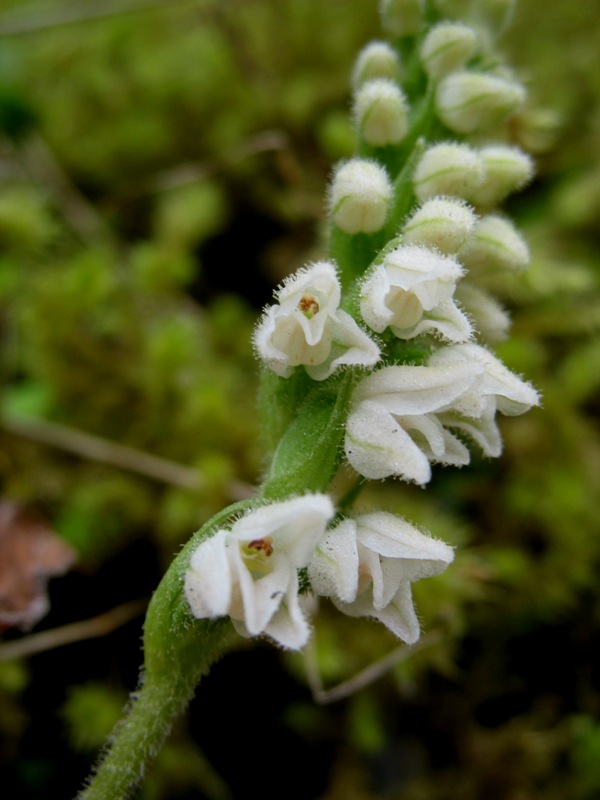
[162,167]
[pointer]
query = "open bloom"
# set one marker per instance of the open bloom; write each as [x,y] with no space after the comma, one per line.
[393,427]
[366,566]
[250,572]
[402,417]
[308,327]
[411,293]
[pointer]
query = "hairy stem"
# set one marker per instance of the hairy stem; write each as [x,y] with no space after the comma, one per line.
[178,651]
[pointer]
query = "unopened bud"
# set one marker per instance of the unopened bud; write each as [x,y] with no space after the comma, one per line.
[537,129]
[381,113]
[401,17]
[443,224]
[376,60]
[447,48]
[447,169]
[495,244]
[360,196]
[474,101]
[505,170]
[487,315]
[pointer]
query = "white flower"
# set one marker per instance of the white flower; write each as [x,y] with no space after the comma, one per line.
[505,169]
[497,389]
[376,60]
[250,572]
[475,101]
[308,327]
[442,223]
[366,566]
[411,293]
[381,112]
[400,415]
[490,319]
[360,196]
[447,47]
[393,428]
[494,245]
[449,169]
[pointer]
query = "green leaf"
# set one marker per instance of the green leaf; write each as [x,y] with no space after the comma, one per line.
[308,453]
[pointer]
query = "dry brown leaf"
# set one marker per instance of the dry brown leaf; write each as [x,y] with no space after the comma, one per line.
[30,554]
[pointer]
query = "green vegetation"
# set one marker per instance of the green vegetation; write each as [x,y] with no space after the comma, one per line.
[162,168]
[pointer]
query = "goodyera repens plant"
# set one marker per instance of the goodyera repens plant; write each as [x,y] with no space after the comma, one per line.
[377,357]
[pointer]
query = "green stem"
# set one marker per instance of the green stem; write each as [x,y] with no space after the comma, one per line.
[152,710]
[178,651]
[353,252]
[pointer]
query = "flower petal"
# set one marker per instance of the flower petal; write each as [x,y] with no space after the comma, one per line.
[350,345]
[399,615]
[392,553]
[511,395]
[445,320]
[259,597]
[378,447]
[207,584]
[411,281]
[419,390]
[395,538]
[333,569]
[288,625]
[296,525]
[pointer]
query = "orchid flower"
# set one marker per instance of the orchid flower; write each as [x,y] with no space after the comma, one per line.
[366,566]
[250,572]
[393,428]
[307,327]
[411,293]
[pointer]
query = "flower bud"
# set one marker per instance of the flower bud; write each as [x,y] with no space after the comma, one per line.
[376,60]
[505,169]
[447,169]
[381,112]
[474,101]
[360,196]
[442,223]
[537,129]
[446,48]
[495,245]
[401,17]
[487,315]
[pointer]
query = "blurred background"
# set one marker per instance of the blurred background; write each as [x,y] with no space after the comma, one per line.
[162,167]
